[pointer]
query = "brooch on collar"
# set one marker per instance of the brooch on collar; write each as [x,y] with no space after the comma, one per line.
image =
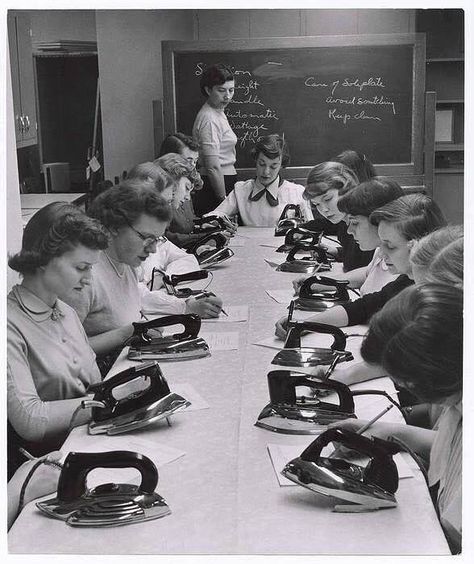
[56,313]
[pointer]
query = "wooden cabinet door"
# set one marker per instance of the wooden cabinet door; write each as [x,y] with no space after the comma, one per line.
[23,85]
[27,81]
[15,74]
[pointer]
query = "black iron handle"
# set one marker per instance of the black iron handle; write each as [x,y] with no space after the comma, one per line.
[175,279]
[73,479]
[150,369]
[340,286]
[282,386]
[293,337]
[190,321]
[308,246]
[219,239]
[291,207]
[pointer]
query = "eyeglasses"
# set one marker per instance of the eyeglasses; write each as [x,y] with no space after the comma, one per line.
[148,239]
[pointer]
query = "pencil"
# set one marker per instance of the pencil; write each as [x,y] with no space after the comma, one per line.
[364,428]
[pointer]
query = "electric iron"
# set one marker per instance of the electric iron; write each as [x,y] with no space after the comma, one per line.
[294,355]
[138,409]
[305,415]
[321,300]
[299,235]
[295,412]
[106,505]
[290,217]
[369,488]
[317,260]
[212,223]
[210,257]
[180,346]
[172,281]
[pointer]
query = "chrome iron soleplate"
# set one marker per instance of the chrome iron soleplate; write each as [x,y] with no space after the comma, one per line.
[298,420]
[316,304]
[143,417]
[302,266]
[182,350]
[217,258]
[307,357]
[124,504]
[322,479]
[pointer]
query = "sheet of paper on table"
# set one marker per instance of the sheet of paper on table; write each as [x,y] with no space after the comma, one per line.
[228,341]
[235,313]
[189,392]
[237,241]
[160,454]
[274,262]
[280,455]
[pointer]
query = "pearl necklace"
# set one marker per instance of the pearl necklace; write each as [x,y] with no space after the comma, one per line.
[114,265]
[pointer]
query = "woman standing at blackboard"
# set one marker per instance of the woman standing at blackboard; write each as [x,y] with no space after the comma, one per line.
[216,139]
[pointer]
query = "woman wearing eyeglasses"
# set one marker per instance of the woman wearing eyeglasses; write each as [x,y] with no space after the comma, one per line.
[169,258]
[136,217]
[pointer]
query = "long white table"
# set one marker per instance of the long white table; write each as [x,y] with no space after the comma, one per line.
[224,495]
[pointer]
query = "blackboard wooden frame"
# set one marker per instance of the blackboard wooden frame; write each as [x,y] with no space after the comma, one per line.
[413,175]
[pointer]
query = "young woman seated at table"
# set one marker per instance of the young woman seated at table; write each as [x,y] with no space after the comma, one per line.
[399,224]
[326,183]
[437,257]
[358,204]
[181,225]
[136,217]
[170,259]
[417,340]
[50,363]
[261,200]
[363,170]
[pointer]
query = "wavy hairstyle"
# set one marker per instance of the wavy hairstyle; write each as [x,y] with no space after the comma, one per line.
[448,265]
[53,230]
[369,196]
[272,146]
[358,163]
[151,172]
[443,250]
[124,203]
[175,143]
[417,338]
[327,175]
[214,75]
[413,215]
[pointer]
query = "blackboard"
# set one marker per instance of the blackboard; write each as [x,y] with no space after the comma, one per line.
[325,94]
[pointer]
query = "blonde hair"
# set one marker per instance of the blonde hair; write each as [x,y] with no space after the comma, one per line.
[440,255]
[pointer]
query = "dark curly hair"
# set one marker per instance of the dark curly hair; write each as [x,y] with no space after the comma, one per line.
[214,75]
[54,230]
[272,146]
[124,203]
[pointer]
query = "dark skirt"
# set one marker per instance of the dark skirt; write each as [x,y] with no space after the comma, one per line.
[205,201]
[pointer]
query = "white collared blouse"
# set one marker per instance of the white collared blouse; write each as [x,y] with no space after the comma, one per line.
[260,213]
